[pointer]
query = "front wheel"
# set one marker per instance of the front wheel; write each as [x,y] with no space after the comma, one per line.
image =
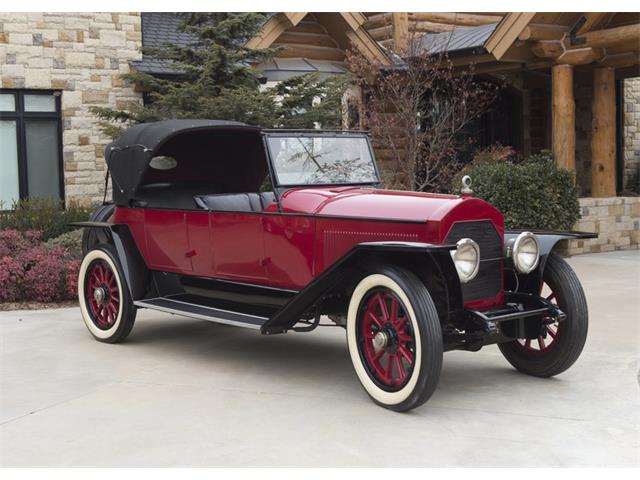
[395,339]
[559,345]
[105,303]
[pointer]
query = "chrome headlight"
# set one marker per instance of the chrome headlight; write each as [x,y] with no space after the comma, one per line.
[466,258]
[525,252]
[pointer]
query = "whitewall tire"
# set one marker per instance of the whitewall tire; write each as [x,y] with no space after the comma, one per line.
[105,303]
[394,338]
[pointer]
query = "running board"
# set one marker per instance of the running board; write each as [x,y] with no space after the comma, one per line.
[202,312]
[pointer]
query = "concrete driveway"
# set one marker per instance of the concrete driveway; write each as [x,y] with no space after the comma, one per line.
[184,392]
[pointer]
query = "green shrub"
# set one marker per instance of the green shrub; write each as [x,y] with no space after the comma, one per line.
[43,214]
[70,241]
[533,193]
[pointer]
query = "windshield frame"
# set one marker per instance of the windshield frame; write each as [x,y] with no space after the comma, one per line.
[318,133]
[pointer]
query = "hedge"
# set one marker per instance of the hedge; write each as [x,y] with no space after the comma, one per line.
[533,193]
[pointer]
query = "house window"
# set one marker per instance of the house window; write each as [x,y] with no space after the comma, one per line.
[30,145]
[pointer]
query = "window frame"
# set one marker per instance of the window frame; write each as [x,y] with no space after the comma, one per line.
[20,116]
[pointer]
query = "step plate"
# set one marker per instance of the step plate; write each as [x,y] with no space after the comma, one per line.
[202,312]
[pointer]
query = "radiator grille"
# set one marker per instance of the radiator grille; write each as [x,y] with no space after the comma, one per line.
[489,279]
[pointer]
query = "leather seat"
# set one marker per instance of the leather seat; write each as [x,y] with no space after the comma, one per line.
[238,202]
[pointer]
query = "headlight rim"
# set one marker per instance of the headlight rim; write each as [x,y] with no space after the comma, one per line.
[461,244]
[517,245]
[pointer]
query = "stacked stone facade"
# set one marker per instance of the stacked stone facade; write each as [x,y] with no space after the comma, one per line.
[82,55]
[631,180]
[616,220]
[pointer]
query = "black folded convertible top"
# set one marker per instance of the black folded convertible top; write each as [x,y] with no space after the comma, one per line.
[129,155]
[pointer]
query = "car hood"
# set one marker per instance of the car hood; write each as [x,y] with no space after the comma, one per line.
[365,202]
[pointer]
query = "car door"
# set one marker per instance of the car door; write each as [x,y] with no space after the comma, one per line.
[167,240]
[237,237]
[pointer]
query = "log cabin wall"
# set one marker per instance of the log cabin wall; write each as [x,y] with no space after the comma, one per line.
[381,24]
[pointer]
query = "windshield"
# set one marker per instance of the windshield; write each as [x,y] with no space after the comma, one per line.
[322,160]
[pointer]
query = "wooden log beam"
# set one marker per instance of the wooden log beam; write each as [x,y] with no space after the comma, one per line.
[300,38]
[595,21]
[628,34]
[381,33]
[621,60]
[378,20]
[548,48]
[400,31]
[563,114]
[581,56]
[458,19]
[430,27]
[309,51]
[535,32]
[603,134]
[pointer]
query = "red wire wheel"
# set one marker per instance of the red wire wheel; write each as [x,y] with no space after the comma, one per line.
[102,294]
[386,340]
[548,338]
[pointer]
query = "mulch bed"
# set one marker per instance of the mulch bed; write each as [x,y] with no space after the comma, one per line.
[35,305]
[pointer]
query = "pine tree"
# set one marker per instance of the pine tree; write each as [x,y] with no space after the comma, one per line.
[218,80]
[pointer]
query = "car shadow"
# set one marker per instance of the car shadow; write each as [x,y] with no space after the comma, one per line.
[320,357]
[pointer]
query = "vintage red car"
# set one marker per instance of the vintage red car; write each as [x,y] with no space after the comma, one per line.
[277,229]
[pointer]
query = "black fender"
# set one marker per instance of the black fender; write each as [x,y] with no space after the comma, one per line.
[340,277]
[93,236]
[135,269]
[547,240]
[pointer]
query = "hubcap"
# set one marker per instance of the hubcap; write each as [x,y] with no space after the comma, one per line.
[381,340]
[99,295]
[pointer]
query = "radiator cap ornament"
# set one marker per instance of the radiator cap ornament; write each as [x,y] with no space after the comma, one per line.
[466,185]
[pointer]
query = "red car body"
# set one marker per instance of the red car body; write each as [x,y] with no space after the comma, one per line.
[288,247]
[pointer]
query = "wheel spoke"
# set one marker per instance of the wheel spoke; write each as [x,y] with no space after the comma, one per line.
[406,354]
[527,344]
[541,342]
[389,372]
[375,319]
[551,333]
[394,311]
[402,374]
[383,307]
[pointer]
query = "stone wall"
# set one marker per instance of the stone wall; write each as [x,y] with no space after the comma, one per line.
[631,180]
[616,220]
[83,56]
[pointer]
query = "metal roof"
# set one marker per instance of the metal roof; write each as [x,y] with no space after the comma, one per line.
[458,41]
[158,29]
[278,69]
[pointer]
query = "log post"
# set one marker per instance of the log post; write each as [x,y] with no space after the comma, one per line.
[400,31]
[603,134]
[563,117]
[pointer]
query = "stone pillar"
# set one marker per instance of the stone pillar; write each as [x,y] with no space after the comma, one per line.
[563,114]
[603,134]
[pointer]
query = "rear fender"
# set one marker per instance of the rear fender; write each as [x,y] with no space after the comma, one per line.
[133,265]
[547,240]
[427,261]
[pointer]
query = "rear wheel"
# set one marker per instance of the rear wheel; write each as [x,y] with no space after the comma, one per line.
[395,339]
[105,303]
[559,345]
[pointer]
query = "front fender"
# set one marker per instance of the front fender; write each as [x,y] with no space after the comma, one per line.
[359,259]
[547,240]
